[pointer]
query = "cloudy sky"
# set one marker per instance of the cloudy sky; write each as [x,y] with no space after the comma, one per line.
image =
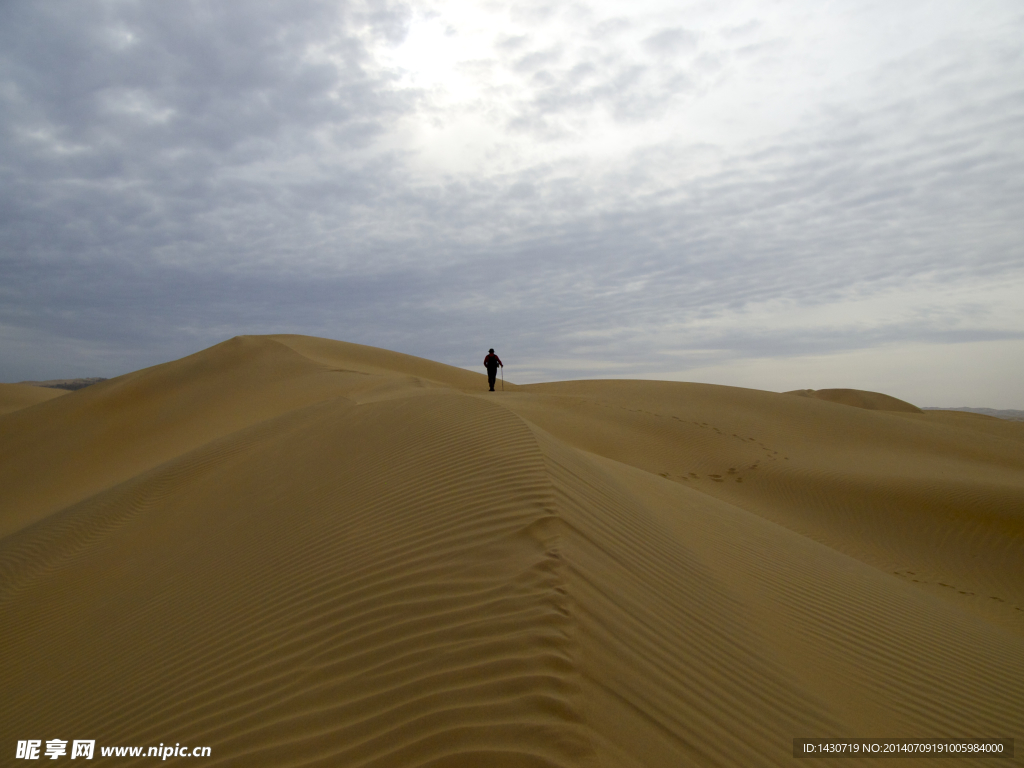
[770,194]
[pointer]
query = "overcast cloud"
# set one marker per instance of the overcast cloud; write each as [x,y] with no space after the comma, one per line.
[775,195]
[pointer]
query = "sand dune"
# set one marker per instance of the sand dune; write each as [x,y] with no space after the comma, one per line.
[858,398]
[306,552]
[14,397]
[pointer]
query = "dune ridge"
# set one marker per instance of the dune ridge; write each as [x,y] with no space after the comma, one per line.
[305,552]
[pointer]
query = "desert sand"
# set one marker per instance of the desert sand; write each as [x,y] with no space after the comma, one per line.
[14,397]
[307,552]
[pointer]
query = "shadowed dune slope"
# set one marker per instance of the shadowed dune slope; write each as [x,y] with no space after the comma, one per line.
[14,397]
[309,553]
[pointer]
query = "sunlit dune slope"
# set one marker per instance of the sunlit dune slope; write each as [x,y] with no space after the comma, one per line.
[920,496]
[114,430]
[305,552]
[14,397]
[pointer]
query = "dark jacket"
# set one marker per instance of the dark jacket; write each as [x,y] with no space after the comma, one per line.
[492,362]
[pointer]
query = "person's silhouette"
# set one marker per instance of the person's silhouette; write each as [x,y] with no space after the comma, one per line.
[491,362]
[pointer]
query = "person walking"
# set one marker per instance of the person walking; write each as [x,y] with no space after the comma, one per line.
[491,362]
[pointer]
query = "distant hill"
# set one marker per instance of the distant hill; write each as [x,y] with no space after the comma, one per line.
[69,384]
[1008,414]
